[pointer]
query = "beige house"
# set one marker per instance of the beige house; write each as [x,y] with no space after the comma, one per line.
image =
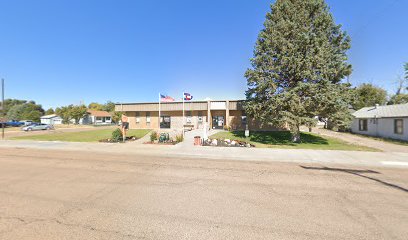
[96,118]
[217,114]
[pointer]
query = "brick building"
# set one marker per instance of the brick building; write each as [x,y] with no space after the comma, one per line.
[217,114]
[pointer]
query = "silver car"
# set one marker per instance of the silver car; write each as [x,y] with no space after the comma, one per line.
[37,126]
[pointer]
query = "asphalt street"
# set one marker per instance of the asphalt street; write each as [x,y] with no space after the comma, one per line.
[55,194]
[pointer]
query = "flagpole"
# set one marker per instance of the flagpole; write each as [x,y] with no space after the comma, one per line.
[159,110]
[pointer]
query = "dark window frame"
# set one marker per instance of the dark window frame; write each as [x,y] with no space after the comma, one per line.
[398,129]
[363,125]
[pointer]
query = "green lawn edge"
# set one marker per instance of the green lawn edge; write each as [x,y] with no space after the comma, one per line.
[81,136]
[282,139]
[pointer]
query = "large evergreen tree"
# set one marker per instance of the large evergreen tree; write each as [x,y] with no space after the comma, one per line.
[298,64]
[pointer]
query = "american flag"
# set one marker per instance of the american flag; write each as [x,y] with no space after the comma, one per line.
[165,98]
[187,97]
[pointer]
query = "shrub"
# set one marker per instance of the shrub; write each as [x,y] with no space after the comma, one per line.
[117,135]
[179,138]
[153,136]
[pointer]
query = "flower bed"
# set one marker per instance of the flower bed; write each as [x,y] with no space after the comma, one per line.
[226,143]
[110,140]
[162,143]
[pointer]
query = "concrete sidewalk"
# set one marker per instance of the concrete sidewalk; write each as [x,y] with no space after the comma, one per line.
[384,159]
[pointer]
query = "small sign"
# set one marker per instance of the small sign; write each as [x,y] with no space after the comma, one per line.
[247,133]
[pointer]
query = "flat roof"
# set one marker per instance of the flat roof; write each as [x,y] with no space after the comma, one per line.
[201,101]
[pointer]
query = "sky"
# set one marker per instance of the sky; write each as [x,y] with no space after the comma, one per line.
[74,51]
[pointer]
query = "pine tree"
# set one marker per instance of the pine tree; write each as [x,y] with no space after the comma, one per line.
[298,64]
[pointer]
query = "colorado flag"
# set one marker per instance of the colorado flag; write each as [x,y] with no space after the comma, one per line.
[187,97]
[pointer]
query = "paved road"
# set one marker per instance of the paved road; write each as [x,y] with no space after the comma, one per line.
[368,159]
[50,194]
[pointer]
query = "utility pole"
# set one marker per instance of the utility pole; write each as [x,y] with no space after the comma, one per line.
[2,109]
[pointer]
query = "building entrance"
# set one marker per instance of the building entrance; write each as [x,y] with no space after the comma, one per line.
[165,122]
[218,122]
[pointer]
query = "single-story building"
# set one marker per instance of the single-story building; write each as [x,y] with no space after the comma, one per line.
[96,117]
[216,115]
[382,121]
[52,119]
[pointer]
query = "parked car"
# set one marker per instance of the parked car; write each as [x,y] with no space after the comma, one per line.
[14,123]
[37,126]
[27,122]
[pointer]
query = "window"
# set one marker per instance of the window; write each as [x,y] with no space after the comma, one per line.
[244,120]
[98,119]
[362,124]
[200,116]
[107,118]
[147,118]
[398,126]
[188,117]
[137,117]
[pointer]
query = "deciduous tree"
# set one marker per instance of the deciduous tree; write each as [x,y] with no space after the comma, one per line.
[65,113]
[95,106]
[398,99]
[25,111]
[368,95]
[78,112]
[49,111]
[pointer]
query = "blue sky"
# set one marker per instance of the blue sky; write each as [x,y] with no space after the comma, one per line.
[63,52]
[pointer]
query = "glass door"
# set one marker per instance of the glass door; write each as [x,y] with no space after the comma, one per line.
[165,122]
[218,122]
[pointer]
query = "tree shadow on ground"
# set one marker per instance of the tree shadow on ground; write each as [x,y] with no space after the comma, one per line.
[281,138]
[358,173]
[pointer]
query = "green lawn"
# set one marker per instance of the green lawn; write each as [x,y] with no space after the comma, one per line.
[83,136]
[283,140]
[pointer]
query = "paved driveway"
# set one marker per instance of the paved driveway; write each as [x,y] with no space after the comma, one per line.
[48,194]
[364,141]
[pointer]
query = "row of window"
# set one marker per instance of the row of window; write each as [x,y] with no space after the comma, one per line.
[188,118]
[398,125]
[101,118]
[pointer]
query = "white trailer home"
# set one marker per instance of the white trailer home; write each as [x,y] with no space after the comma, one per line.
[382,121]
[52,119]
